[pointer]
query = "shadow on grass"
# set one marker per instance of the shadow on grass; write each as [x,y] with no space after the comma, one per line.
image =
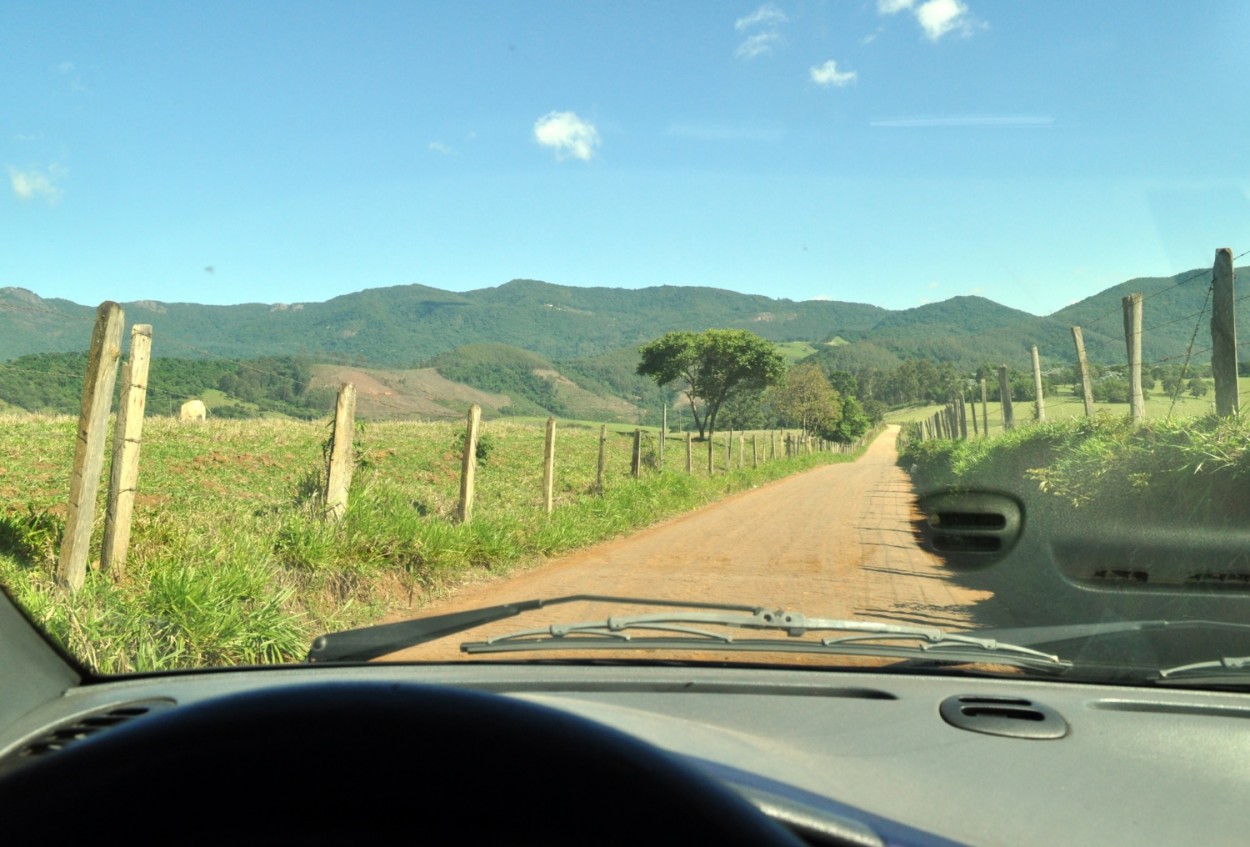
[30,538]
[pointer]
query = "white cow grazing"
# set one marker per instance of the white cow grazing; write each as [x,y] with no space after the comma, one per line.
[193,410]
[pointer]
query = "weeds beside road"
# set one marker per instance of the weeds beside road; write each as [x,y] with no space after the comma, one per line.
[231,564]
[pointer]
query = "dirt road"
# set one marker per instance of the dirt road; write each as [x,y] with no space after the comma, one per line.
[838,541]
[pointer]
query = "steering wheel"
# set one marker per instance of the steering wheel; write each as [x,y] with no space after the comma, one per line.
[340,762]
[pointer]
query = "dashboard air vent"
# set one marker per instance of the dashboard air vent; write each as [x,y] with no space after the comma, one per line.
[81,728]
[1012,717]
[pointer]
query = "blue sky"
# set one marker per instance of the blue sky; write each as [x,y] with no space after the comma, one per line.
[878,151]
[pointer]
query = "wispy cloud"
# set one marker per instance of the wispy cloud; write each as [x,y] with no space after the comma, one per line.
[71,73]
[760,44]
[893,7]
[568,135]
[35,184]
[766,15]
[441,148]
[913,122]
[767,19]
[828,75]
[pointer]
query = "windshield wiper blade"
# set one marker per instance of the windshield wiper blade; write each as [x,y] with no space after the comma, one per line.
[1227,670]
[371,642]
[688,631]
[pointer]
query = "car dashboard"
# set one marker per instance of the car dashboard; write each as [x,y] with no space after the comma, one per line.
[835,757]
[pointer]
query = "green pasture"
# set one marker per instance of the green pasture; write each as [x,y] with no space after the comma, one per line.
[230,559]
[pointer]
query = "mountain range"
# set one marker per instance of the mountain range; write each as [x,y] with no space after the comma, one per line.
[408,326]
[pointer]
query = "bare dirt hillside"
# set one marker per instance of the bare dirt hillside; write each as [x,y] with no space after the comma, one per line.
[419,392]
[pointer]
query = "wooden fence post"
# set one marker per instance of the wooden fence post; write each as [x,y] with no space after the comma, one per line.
[635,461]
[1224,336]
[93,415]
[127,439]
[755,454]
[963,418]
[339,475]
[603,446]
[1082,371]
[741,448]
[985,411]
[1039,403]
[729,450]
[468,469]
[689,452]
[711,463]
[663,435]
[1004,396]
[976,431]
[772,445]
[1132,341]
[549,466]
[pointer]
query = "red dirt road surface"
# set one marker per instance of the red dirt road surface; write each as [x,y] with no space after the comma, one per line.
[838,541]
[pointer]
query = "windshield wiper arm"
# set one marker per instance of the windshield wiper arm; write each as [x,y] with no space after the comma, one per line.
[864,638]
[1227,670]
[370,642]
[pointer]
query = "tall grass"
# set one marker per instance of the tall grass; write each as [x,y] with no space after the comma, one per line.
[1196,469]
[230,562]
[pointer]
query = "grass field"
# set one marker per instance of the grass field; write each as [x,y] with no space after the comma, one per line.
[230,562]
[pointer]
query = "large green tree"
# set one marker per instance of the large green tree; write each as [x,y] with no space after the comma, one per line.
[710,366]
[806,399]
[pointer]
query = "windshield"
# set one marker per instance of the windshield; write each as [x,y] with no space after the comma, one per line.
[893,334]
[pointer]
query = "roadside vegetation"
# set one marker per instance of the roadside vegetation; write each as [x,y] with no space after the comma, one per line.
[1193,469]
[231,563]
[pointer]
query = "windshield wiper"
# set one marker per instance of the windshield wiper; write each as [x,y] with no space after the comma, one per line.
[370,642]
[688,631]
[1228,670]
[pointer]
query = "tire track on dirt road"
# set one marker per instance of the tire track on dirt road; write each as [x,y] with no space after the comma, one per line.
[837,541]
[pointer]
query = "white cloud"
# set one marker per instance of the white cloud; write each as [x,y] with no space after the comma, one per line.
[938,17]
[766,15]
[35,184]
[567,134]
[440,147]
[934,284]
[759,44]
[829,75]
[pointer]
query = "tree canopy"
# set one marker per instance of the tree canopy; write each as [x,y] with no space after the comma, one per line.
[710,366]
[806,399]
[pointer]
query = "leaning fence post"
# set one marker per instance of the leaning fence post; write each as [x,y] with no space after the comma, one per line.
[93,415]
[1039,407]
[1004,397]
[127,438]
[1132,340]
[603,446]
[549,465]
[468,468]
[1082,369]
[339,475]
[1224,336]
[663,436]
